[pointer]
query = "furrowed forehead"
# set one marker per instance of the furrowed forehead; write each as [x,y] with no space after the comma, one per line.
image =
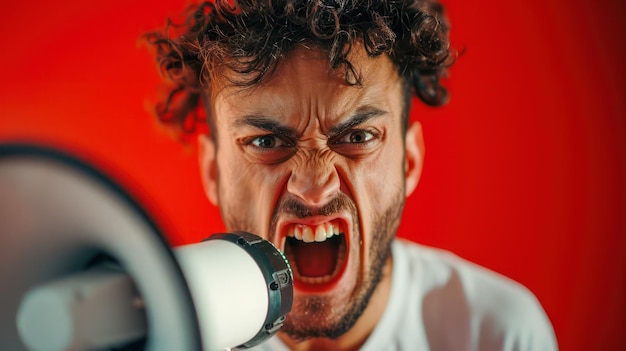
[308,70]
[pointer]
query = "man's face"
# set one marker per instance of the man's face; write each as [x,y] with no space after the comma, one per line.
[318,168]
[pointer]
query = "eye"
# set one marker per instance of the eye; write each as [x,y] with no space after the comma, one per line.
[269,148]
[356,137]
[267,142]
[357,142]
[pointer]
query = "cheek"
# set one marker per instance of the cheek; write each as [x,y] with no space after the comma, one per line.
[376,184]
[381,187]
[382,175]
[247,194]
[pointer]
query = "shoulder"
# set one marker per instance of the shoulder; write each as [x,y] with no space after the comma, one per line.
[490,310]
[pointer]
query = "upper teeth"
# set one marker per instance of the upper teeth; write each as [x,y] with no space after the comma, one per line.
[318,233]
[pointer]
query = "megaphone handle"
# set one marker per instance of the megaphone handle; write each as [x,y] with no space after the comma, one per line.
[88,310]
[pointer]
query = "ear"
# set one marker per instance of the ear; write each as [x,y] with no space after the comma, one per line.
[414,156]
[208,167]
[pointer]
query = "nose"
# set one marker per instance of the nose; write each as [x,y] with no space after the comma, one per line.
[315,181]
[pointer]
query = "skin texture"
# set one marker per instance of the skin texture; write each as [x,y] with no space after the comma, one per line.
[336,151]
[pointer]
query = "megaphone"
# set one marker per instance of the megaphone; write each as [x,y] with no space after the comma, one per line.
[82,266]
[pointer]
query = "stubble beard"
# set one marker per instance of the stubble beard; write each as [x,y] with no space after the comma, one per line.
[319,316]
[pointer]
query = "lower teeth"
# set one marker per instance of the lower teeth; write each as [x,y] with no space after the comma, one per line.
[316,280]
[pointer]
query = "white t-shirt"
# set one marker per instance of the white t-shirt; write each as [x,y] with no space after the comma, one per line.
[439,302]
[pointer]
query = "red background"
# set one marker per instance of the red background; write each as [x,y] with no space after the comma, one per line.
[525,167]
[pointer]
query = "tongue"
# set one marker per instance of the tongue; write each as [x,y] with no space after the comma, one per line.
[315,259]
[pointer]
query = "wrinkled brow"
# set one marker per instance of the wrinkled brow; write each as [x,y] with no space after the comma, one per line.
[362,115]
[270,125]
[267,124]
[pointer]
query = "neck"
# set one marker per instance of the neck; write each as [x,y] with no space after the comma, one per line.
[358,334]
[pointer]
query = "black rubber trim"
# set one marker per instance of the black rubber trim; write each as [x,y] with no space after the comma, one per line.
[278,278]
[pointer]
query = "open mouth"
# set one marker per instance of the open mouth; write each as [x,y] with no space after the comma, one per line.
[317,254]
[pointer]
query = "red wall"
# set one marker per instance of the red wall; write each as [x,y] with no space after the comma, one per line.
[525,170]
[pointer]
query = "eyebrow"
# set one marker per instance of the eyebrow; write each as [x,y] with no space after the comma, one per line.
[362,115]
[267,124]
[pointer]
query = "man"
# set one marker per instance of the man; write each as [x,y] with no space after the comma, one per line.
[307,104]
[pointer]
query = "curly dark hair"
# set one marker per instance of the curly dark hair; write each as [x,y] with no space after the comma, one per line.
[250,37]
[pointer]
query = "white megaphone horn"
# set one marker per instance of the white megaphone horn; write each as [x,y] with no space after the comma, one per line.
[83,267]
